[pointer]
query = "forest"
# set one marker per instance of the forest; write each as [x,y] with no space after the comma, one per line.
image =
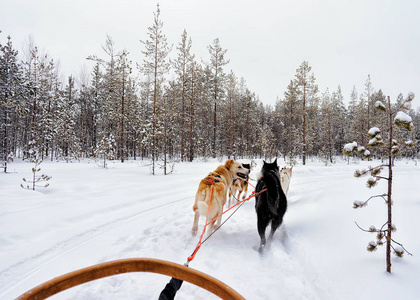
[171,107]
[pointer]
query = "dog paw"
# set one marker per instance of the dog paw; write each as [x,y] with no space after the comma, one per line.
[194,231]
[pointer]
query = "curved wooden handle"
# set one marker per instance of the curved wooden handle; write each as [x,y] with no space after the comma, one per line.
[116,267]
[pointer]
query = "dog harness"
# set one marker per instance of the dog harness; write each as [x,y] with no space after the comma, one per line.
[215,180]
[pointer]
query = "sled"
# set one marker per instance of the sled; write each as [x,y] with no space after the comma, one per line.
[117,267]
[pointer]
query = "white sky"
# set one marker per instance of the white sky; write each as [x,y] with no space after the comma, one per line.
[343,41]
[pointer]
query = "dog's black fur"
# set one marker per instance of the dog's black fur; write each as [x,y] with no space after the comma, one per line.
[270,205]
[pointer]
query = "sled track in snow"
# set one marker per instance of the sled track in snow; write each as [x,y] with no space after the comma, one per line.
[50,255]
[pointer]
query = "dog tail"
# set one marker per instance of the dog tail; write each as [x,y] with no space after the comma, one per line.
[201,198]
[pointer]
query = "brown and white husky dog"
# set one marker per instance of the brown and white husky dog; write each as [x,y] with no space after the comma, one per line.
[239,185]
[221,179]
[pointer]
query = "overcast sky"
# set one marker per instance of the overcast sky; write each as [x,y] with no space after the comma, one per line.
[343,41]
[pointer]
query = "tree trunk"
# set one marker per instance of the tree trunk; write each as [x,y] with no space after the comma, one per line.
[191,154]
[165,139]
[122,116]
[182,114]
[304,127]
[230,128]
[388,238]
[154,110]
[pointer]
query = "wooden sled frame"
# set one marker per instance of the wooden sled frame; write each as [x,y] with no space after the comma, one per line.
[122,266]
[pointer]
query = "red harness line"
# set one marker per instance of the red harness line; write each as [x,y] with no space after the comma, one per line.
[191,257]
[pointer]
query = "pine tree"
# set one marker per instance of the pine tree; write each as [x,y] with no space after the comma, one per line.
[307,89]
[36,180]
[106,149]
[155,66]
[123,71]
[385,141]
[230,113]
[351,124]
[65,123]
[11,95]
[327,128]
[290,118]
[40,77]
[181,65]
[194,90]
[217,62]
[339,119]
[113,90]
[85,116]
[368,99]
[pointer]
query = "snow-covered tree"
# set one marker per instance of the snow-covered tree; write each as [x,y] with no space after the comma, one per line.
[217,82]
[41,76]
[155,66]
[195,88]
[384,141]
[326,130]
[106,149]
[367,96]
[36,180]
[11,94]
[182,64]
[65,121]
[290,112]
[307,91]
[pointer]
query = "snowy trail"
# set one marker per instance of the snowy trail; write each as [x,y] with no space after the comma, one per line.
[91,215]
[31,266]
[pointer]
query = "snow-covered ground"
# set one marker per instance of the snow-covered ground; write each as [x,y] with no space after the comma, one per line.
[90,215]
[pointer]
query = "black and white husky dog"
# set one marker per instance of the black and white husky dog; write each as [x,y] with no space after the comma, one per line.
[271,204]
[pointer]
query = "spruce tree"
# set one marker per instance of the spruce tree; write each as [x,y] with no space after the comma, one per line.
[384,141]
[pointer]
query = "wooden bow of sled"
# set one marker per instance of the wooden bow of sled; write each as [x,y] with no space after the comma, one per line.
[116,267]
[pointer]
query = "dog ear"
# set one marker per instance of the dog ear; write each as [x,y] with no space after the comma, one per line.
[275,161]
[291,168]
[229,163]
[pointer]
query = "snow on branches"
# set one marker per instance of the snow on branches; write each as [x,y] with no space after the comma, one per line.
[386,142]
[382,237]
[404,120]
[37,180]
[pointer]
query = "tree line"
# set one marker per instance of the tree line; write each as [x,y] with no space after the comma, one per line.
[171,109]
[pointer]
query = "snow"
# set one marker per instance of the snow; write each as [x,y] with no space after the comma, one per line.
[379,104]
[374,131]
[89,215]
[403,117]
[350,146]
[375,140]
[358,203]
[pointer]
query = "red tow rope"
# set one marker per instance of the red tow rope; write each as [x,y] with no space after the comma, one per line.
[192,256]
